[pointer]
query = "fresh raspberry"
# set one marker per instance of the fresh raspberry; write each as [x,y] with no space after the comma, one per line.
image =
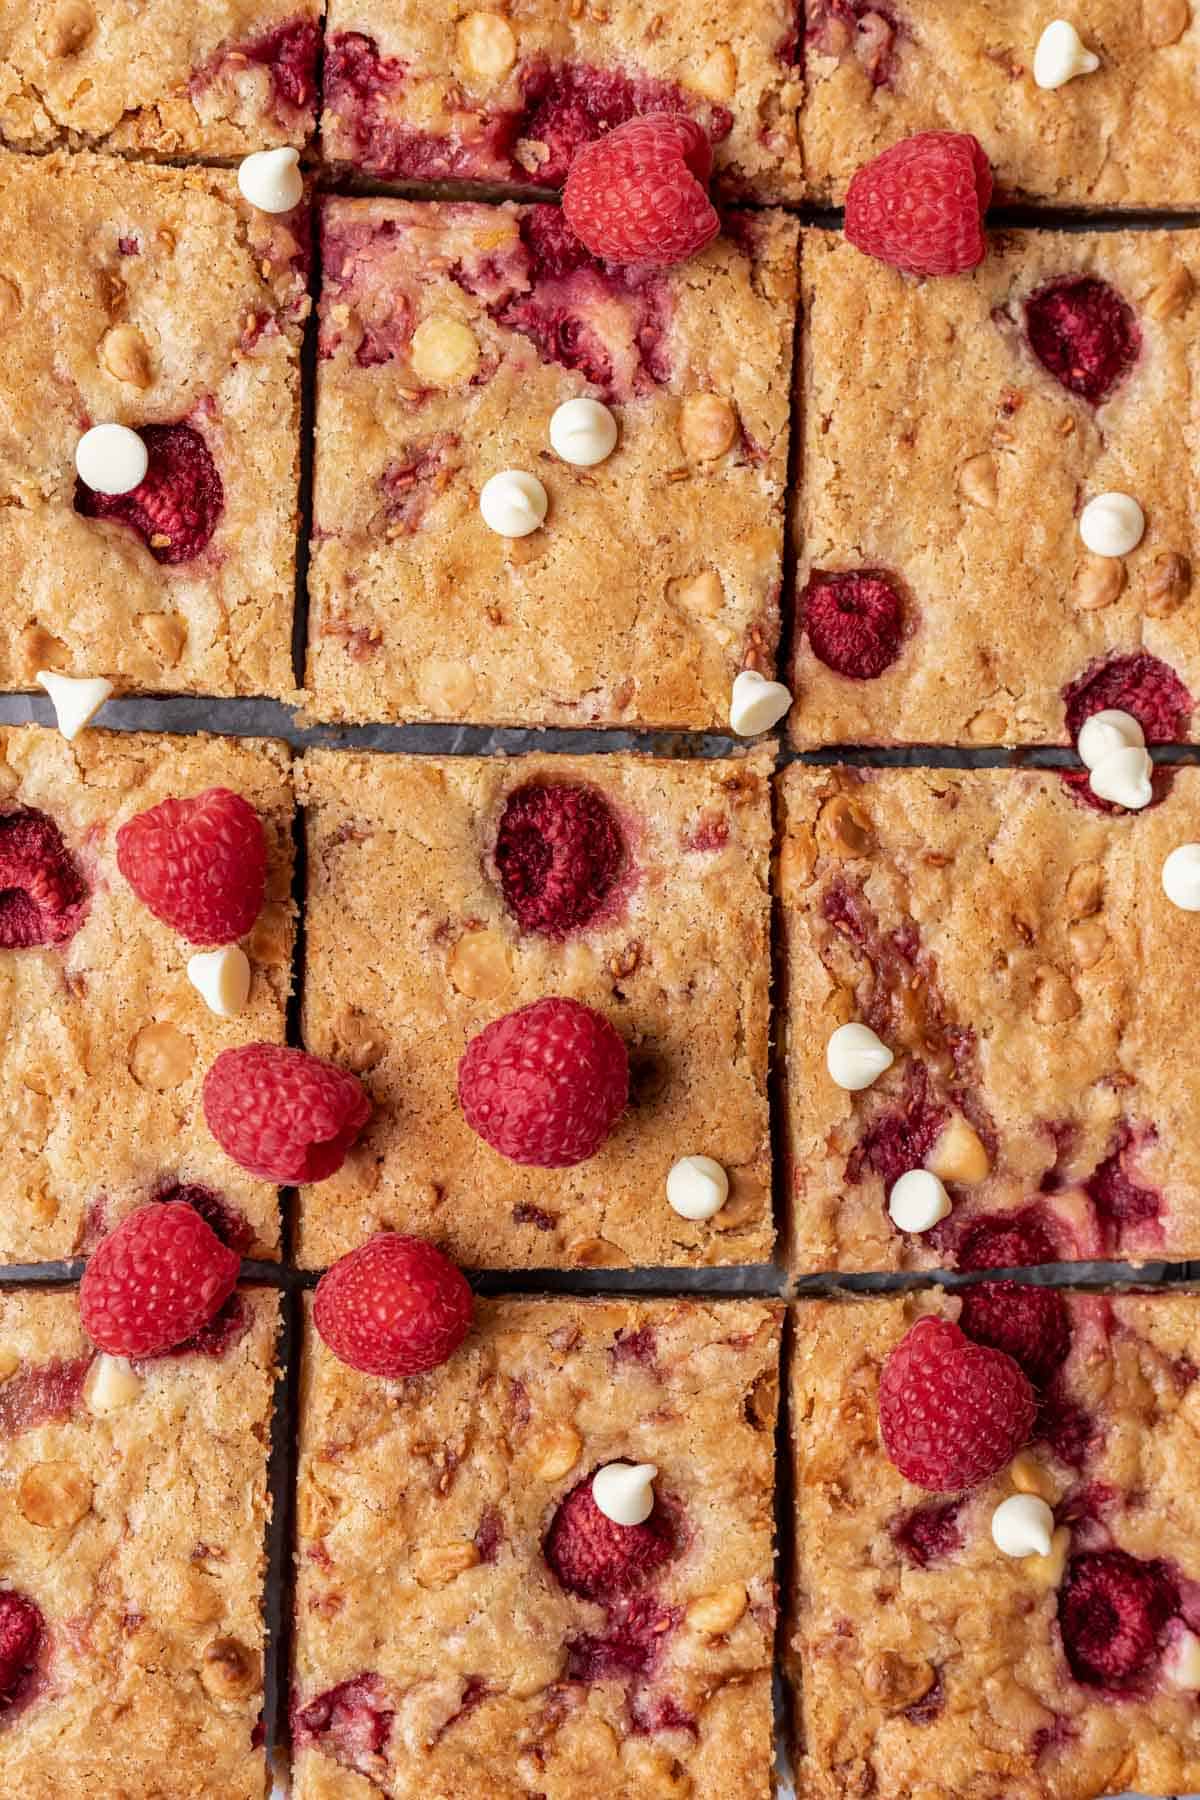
[155,1281]
[951,1412]
[640,195]
[559,853]
[395,1306]
[854,620]
[43,896]
[176,508]
[281,1114]
[1012,1240]
[927,1534]
[1030,1324]
[353,1721]
[214,1340]
[21,1629]
[593,1556]
[1113,1611]
[567,105]
[920,205]
[200,865]
[1084,333]
[231,1226]
[1139,684]
[545,1084]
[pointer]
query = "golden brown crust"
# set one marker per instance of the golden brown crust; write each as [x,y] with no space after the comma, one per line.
[991,904]
[105,1042]
[868,1626]
[212,304]
[392,1584]
[150,1681]
[411,950]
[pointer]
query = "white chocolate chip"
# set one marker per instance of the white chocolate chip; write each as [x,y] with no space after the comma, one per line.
[1181,1665]
[855,1057]
[756,703]
[624,1492]
[1123,776]
[583,432]
[271,180]
[1181,877]
[111,459]
[1107,731]
[1112,524]
[513,503]
[1023,1525]
[917,1201]
[1061,55]
[697,1187]
[222,978]
[111,1384]
[76,698]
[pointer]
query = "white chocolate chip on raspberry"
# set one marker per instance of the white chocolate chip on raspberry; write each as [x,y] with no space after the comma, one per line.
[76,698]
[756,703]
[1023,1525]
[271,180]
[513,503]
[1181,877]
[111,1384]
[111,459]
[1124,777]
[1061,55]
[1112,524]
[856,1057]
[487,45]
[624,1492]
[917,1201]
[697,1187]
[583,432]
[1181,1664]
[444,352]
[1107,731]
[222,979]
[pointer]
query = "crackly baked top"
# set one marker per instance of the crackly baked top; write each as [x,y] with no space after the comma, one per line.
[105,1042]
[152,298]
[135,1506]
[1012,944]
[507,94]
[449,335]
[983,413]
[162,79]
[1125,135]
[412,948]
[436,1648]
[929,1665]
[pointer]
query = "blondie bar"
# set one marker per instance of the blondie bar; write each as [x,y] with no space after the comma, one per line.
[1125,134]
[442,895]
[506,94]
[953,432]
[450,335]
[135,1504]
[162,79]
[477,1626]
[928,1663]
[105,1041]
[158,300]
[1012,945]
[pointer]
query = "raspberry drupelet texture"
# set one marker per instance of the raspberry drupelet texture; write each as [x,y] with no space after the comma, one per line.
[951,1412]
[1086,335]
[593,1556]
[43,895]
[395,1306]
[559,854]
[854,621]
[640,194]
[199,864]
[1140,684]
[175,509]
[1113,1611]
[21,1632]
[545,1084]
[1030,1324]
[920,205]
[155,1281]
[281,1114]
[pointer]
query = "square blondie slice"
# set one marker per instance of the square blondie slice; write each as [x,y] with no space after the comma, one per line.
[507,94]
[450,334]
[106,1042]
[953,433]
[160,79]
[159,300]
[135,1505]
[927,1664]
[1124,135]
[1014,948]
[477,1626]
[416,939]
